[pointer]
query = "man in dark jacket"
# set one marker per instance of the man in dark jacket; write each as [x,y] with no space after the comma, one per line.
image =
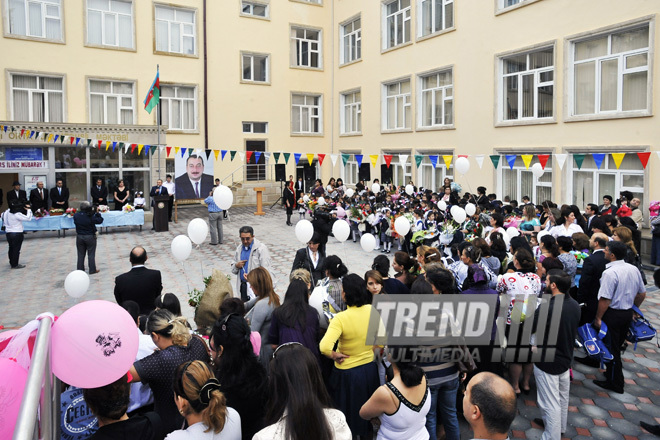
[592,269]
[99,193]
[16,193]
[39,198]
[140,284]
[59,196]
[86,220]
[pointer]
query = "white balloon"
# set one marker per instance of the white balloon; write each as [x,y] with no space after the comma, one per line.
[223,197]
[198,229]
[341,230]
[458,214]
[304,231]
[76,283]
[462,165]
[181,247]
[368,242]
[321,201]
[512,232]
[410,189]
[375,188]
[402,226]
[470,209]
[541,234]
[537,170]
[442,205]
[350,192]
[305,198]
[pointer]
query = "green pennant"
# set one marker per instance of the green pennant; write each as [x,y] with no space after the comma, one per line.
[61,139]
[495,158]
[286,157]
[276,156]
[344,158]
[579,158]
[121,146]
[418,159]
[153,150]
[36,135]
[232,154]
[89,141]
[190,151]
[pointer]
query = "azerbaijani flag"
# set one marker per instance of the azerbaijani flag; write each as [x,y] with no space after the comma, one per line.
[153,97]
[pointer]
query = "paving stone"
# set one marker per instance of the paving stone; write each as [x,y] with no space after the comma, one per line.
[580,420]
[605,434]
[594,412]
[625,427]
[533,434]
[652,410]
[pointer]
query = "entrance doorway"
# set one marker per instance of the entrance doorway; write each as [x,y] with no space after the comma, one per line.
[307,172]
[255,170]
[6,179]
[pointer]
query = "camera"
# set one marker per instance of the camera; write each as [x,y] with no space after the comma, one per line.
[322,214]
[16,206]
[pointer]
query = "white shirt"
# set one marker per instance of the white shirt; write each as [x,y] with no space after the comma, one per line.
[311,257]
[170,188]
[231,430]
[14,222]
[561,231]
[336,420]
[141,394]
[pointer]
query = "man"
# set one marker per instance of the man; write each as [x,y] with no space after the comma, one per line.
[526,200]
[637,214]
[250,254]
[489,406]
[216,182]
[99,193]
[86,220]
[171,190]
[589,214]
[39,198]
[592,269]
[215,220]
[194,184]
[12,219]
[621,286]
[16,193]
[552,374]
[311,259]
[158,190]
[140,284]
[300,188]
[59,196]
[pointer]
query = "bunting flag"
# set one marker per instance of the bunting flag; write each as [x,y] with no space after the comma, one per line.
[561,159]
[77,141]
[579,158]
[495,158]
[358,158]
[511,159]
[248,154]
[22,131]
[140,146]
[216,153]
[286,157]
[183,151]
[191,151]
[543,159]
[480,160]
[154,148]
[56,137]
[374,159]
[310,158]
[99,142]
[267,157]
[333,158]
[644,158]
[176,151]
[224,153]
[62,139]
[447,158]
[598,158]
[31,134]
[124,146]
[114,145]
[276,156]
[321,157]
[418,160]
[168,151]
[107,145]
[257,156]
[434,160]
[89,141]
[388,159]
[161,148]
[618,158]
[147,148]
[344,158]
[527,159]
[296,157]
[403,158]
[241,155]
[133,147]
[208,154]
[232,154]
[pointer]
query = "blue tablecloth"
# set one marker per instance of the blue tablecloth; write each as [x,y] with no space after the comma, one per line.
[110,218]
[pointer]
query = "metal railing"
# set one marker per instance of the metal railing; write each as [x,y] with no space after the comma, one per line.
[269,173]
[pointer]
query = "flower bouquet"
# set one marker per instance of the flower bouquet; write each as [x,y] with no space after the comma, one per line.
[39,213]
[103,208]
[56,211]
[512,222]
[128,208]
[580,256]
[69,212]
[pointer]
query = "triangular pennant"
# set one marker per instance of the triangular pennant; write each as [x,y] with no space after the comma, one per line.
[358,159]
[321,158]
[31,134]
[99,143]
[403,158]
[560,159]
[191,151]
[208,154]
[123,146]
[183,151]
[310,158]
[223,152]
[107,145]
[57,136]
[216,152]
[333,158]
[22,131]
[114,145]
[618,158]
[71,139]
[296,157]
[418,159]
[168,149]
[140,147]
[286,157]
[511,159]
[232,154]
[434,160]
[543,159]
[133,147]
[154,148]
[62,139]
[527,159]
[267,157]
[89,141]
[257,156]
[248,154]
[374,159]
[447,158]
[77,141]
[388,159]
[147,148]
[598,158]
[276,156]
[644,158]
[344,158]
[480,160]
[176,151]
[579,158]
[241,155]
[495,158]
[161,148]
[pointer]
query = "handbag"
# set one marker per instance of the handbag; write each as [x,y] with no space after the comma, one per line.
[641,329]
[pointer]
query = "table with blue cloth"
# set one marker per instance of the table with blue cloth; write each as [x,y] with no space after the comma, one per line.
[62,223]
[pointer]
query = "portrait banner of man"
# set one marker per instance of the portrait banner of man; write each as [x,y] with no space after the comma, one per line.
[194,176]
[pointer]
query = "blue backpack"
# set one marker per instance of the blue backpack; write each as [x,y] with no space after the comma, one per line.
[592,342]
[640,329]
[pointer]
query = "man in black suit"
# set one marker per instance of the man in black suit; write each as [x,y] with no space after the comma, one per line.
[158,190]
[59,196]
[16,193]
[311,259]
[194,184]
[590,213]
[39,198]
[300,188]
[140,284]
[99,193]
[592,269]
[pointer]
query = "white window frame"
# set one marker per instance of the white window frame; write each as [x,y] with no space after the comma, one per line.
[31,92]
[103,34]
[105,96]
[406,106]
[45,5]
[251,125]
[350,173]
[182,33]
[403,14]
[501,5]
[310,113]
[313,2]
[351,40]
[501,98]
[447,92]
[405,170]
[519,168]
[251,4]
[252,56]
[427,167]
[167,100]
[299,43]
[350,114]
[569,50]
[443,27]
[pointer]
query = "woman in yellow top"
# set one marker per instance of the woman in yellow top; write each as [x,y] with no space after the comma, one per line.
[354,377]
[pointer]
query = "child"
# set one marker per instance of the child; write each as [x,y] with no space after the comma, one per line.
[302,208]
[385,231]
[139,200]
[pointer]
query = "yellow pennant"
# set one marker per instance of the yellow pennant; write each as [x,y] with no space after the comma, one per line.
[374,159]
[216,152]
[107,145]
[140,147]
[618,158]
[527,159]
[176,150]
[50,137]
[447,158]
[310,158]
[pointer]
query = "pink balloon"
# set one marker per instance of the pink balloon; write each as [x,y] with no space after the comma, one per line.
[94,343]
[12,383]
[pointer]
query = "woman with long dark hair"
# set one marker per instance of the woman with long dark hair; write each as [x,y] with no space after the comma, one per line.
[404,268]
[261,308]
[334,271]
[289,197]
[392,285]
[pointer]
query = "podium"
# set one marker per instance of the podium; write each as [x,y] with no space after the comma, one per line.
[161,206]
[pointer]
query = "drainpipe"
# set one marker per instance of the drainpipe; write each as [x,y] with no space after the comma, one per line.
[206,114]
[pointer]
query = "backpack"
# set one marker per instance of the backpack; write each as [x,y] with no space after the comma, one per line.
[640,329]
[593,344]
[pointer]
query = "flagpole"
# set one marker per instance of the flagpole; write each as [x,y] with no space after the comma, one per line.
[158,122]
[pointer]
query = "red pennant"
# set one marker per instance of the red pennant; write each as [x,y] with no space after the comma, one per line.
[71,140]
[168,151]
[543,159]
[463,155]
[321,157]
[22,131]
[388,159]
[644,158]
[100,144]
[248,154]
[133,147]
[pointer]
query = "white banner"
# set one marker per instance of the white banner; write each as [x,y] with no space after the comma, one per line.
[14,164]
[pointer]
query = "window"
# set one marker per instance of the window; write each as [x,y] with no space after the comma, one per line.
[255,67]
[506,4]
[179,107]
[527,85]
[110,23]
[255,127]
[305,114]
[396,26]
[36,18]
[175,30]
[317,2]
[351,112]
[437,103]
[305,47]
[520,181]
[255,9]
[429,177]
[350,171]
[434,16]
[111,102]
[401,174]
[37,98]
[351,41]
[610,73]
[397,110]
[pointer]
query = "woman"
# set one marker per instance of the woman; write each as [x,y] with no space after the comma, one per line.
[176,346]
[624,235]
[548,247]
[354,376]
[471,255]
[242,378]
[566,227]
[405,268]
[374,282]
[299,407]
[606,208]
[531,223]
[498,246]
[260,309]
[199,399]
[335,271]
[330,189]
[521,286]
[318,190]
[340,188]
[427,255]
[296,320]
[482,198]
[121,196]
[487,257]
[168,301]
[289,201]
[565,245]
[497,225]
[392,285]
[599,225]
[518,243]
[449,197]
[402,403]
[581,242]
[579,218]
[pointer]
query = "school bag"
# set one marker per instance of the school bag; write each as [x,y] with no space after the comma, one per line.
[640,329]
[592,343]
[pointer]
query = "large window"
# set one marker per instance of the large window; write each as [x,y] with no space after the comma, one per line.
[434,16]
[306,114]
[255,67]
[306,47]
[36,18]
[351,112]
[175,30]
[179,107]
[396,23]
[519,182]
[401,173]
[351,41]
[110,23]
[610,73]
[436,107]
[350,171]
[397,105]
[432,178]
[111,102]
[37,98]
[254,9]
[527,81]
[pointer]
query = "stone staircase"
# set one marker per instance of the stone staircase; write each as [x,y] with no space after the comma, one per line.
[245,195]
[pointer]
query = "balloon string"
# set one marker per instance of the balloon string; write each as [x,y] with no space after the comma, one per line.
[186,275]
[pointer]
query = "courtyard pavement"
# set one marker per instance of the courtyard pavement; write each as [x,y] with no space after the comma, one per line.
[593,413]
